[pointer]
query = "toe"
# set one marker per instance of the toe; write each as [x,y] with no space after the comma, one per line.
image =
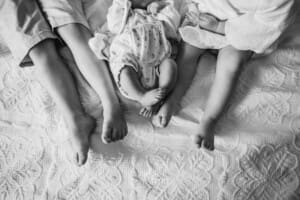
[106,135]
[142,111]
[160,120]
[208,145]
[149,114]
[114,136]
[211,147]
[199,140]
[82,157]
[165,121]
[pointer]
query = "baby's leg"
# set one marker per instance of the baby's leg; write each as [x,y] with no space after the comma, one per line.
[187,62]
[167,75]
[130,84]
[229,64]
[96,73]
[54,75]
[166,82]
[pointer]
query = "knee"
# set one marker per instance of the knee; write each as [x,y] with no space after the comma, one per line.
[171,63]
[45,51]
[74,32]
[45,55]
[168,66]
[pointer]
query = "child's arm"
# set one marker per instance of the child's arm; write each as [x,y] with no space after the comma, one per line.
[207,22]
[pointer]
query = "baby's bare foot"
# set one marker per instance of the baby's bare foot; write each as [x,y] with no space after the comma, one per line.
[114,126]
[166,111]
[81,129]
[147,111]
[205,136]
[152,97]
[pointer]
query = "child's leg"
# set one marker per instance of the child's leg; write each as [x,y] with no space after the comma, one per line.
[130,84]
[229,64]
[187,62]
[54,75]
[26,31]
[96,73]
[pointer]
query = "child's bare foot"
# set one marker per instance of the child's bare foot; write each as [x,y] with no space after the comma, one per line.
[152,97]
[166,111]
[114,126]
[205,136]
[148,112]
[81,128]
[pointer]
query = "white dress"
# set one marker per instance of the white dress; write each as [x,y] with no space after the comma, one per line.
[250,24]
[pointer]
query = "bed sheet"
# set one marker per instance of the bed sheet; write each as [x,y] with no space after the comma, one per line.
[257,143]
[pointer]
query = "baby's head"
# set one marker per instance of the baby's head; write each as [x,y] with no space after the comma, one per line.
[141,3]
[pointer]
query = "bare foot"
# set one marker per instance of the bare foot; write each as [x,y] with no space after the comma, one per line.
[166,111]
[152,97]
[81,128]
[205,136]
[146,111]
[114,126]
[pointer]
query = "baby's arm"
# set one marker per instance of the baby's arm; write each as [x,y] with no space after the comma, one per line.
[229,64]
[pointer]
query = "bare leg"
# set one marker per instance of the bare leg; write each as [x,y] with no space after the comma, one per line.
[167,81]
[168,75]
[96,73]
[187,62]
[131,85]
[229,64]
[54,75]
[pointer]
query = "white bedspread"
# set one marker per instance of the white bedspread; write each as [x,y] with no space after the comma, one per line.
[257,146]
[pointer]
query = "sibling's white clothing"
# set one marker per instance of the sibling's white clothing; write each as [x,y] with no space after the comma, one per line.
[141,39]
[250,25]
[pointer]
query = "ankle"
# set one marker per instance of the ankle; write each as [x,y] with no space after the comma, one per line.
[208,121]
[112,109]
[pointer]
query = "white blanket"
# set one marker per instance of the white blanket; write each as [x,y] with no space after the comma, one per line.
[257,146]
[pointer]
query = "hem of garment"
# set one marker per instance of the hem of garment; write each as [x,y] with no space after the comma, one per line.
[25,60]
[57,22]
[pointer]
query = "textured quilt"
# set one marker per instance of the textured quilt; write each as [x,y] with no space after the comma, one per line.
[257,143]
